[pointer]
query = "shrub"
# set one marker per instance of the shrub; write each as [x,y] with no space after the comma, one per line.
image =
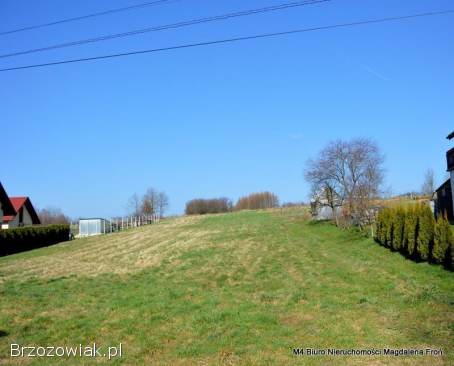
[208,206]
[399,226]
[451,253]
[426,226]
[383,223]
[379,227]
[32,237]
[411,230]
[443,241]
[415,232]
[390,227]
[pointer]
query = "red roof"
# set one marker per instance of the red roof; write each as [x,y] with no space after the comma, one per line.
[18,202]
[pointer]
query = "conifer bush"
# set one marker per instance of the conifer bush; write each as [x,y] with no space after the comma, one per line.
[411,230]
[440,248]
[389,227]
[426,227]
[414,232]
[443,242]
[31,237]
[380,227]
[399,225]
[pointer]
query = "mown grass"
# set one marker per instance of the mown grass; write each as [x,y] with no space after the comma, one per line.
[242,288]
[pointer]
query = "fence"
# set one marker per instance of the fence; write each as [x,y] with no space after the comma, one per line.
[123,223]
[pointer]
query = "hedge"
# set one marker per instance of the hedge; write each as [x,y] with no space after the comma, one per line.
[31,237]
[410,230]
[426,228]
[398,229]
[414,232]
[443,248]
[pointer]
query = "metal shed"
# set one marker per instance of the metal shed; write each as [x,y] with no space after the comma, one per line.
[94,226]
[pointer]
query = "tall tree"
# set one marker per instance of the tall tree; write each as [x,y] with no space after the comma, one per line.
[149,202]
[428,187]
[134,205]
[162,203]
[348,174]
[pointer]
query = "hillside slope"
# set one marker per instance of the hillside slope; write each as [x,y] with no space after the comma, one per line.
[242,288]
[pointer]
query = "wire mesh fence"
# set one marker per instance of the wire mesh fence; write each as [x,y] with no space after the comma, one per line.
[97,226]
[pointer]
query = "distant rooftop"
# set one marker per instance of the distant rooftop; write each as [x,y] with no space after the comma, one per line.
[450,136]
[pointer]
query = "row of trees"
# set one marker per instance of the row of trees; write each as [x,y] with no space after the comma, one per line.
[53,216]
[347,175]
[152,203]
[257,201]
[254,201]
[414,232]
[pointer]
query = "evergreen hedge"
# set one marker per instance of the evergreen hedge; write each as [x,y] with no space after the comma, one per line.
[31,237]
[398,231]
[414,232]
[410,230]
[443,247]
[425,239]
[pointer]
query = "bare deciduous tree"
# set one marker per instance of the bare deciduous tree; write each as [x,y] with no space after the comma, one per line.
[256,201]
[149,202]
[202,206]
[153,203]
[347,174]
[162,204]
[51,215]
[428,187]
[134,205]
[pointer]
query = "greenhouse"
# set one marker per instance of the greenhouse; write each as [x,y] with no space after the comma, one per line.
[94,226]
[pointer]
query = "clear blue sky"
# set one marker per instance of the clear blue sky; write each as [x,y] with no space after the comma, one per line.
[221,120]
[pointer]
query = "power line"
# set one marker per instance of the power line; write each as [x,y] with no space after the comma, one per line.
[230,40]
[106,12]
[170,26]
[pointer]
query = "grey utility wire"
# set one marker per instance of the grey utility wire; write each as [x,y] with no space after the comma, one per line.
[231,40]
[101,13]
[169,26]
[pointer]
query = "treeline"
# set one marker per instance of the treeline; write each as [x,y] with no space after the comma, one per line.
[257,201]
[53,216]
[415,233]
[254,201]
[31,237]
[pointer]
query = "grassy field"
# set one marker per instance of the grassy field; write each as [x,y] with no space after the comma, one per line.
[243,288]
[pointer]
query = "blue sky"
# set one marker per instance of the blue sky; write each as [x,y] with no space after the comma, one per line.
[222,120]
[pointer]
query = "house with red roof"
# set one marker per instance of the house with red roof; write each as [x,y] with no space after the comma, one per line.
[16,211]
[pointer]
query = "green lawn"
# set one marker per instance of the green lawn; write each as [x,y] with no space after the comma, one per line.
[242,288]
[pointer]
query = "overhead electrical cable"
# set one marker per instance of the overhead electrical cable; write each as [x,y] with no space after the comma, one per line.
[231,40]
[106,12]
[169,26]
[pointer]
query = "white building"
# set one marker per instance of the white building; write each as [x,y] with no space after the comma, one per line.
[94,226]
